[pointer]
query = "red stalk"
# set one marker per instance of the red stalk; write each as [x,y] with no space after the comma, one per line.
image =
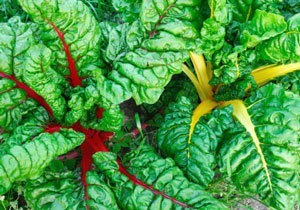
[31,93]
[52,128]
[69,156]
[144,185]
[75,79]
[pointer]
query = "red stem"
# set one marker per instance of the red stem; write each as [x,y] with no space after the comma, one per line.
[52,128]
[144,185]
[31,93]
[69,156]
[136,131]
[75,79]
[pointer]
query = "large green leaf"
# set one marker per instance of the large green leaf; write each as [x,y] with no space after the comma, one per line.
[72,21]
[63,190]
[173,190]
[285,47]
[129,9]
[15,40]
[55,191]
[32,124]
[14,104]
[273,174]
[27,161]
[243,10]
[195,156]
[100,194]
[43,79]
[262,26]
[144,55]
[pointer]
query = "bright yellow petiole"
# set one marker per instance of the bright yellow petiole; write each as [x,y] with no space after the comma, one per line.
[262,75]
[241,114]
[201,72]
[203,108]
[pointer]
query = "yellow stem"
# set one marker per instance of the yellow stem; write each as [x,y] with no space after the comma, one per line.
[265,74]
[241,113]
[201,72]
[203,108]
[194,80]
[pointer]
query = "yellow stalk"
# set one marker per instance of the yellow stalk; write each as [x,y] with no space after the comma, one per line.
[194,80]
[265,74]
[203,108]
[201,72]
[241,113]
[209,71]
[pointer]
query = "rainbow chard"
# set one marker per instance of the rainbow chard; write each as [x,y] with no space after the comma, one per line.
[234,118]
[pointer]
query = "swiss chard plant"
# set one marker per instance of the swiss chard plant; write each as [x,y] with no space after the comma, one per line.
[67,66]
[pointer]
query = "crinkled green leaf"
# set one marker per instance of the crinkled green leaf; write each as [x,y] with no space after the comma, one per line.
[100,194]
[14,104]
[232,65]
[290,7]
[212,37]
[38,75]
[55,191]
[63,190]
[146,53]
[196,159]
[15,40]
[129,9]
[21,162]
[284,47]
[243,10]
[172,92]
[218,10]
[262,26]
[80,29]
[291,82]
[31,125]
[236,90]
[159,173]
[275,115]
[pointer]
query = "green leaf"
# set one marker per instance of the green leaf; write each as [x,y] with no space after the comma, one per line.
[55,191]
[15,40]
[219,11]
[243,10]
[262,26]
[14,104]
[284,47]
[21,162]
[212,37]
[76,24]
[129,9]
[100,194]
[161,174]
[195,156]
[275,115]
[31,125]
[38,75]
[145,54]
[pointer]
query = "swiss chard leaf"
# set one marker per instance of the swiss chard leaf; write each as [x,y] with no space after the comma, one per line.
[145,54]
[21,162]
[165,188]
[193,153]
[275,115]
